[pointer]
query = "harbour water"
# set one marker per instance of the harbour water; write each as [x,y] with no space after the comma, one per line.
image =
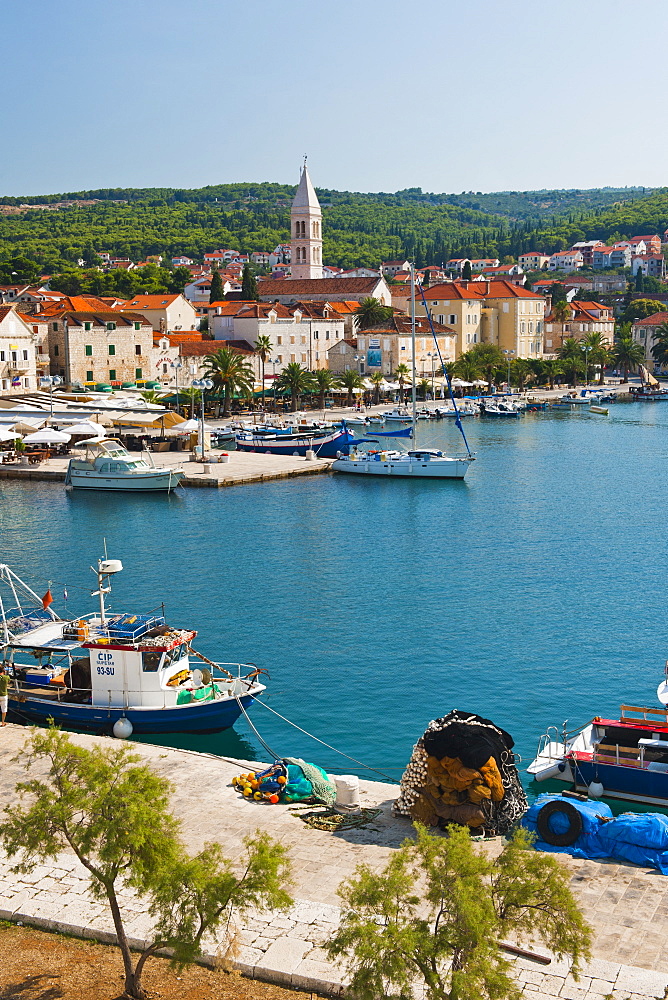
[532,592]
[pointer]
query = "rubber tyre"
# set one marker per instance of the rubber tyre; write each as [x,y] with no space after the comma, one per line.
[574,824]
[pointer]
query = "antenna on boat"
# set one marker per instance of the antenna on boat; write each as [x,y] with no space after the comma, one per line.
[105,568]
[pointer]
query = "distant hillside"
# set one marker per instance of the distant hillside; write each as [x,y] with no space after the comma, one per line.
[358,228]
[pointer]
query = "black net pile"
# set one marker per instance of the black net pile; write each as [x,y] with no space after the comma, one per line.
[462,770]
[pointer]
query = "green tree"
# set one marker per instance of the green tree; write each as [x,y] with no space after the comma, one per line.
[323,381]
[350,380]
[572,359]
[401,373]
[641,309]
[558,293]
[561,311]
[467,273]
[113,813]
[522,373]
[598,353]
[423,387]
[552,368]
[217,288]
[490,358]
[262,348]
[627,354]
[640,280]
[378,380]
[371,312]
[660,345]
[438,910]
[151,396]
[230,373]
[468,366]
[248,284]
[295,380]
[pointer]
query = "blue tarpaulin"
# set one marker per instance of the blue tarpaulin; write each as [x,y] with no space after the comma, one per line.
[641,838]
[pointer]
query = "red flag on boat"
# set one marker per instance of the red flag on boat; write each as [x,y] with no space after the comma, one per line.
[47,599]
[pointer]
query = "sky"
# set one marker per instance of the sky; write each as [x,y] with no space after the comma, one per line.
[445,95]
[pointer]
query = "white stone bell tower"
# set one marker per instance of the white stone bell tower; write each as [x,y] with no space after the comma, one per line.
[306,231]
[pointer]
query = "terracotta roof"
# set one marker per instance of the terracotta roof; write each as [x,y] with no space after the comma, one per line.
[101,317]
[148,301]
[4,311]
[202,348]
[75,303]
[654,320]
[179,338]
[400,324]
[492,289]
[345,308]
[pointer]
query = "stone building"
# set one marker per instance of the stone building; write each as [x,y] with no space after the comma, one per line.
[17,353]
[102,346]
[382,348]
[306,231]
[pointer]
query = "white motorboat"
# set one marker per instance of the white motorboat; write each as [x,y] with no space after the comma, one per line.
[427,463]
[107,465]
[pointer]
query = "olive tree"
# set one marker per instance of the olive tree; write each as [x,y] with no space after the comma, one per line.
[112,811]
[437,912]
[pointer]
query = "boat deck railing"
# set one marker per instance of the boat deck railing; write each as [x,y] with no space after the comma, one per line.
[648,714]
[123,627]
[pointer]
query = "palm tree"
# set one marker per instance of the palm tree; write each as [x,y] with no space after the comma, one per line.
[660,345]
[424,386]
[371,312]
[350,380]
[552,367]
[561,311]
[401,372]
[191,396]
[295,380]
[150,395]
[521,369]
[468,367]
[230,373]
[489,358]
[323,380]
[262,348]
[627,354]
[598,352]
[377,378]
[570,354]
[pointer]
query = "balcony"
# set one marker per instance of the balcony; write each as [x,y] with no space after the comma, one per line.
[18,366]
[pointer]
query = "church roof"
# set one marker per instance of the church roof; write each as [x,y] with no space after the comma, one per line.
[303,288]
[306,196]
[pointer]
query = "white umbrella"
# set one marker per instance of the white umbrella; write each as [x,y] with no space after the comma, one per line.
[47,436]
[87,427]
[27,425]
[188,427]
[460,382]
[7,435]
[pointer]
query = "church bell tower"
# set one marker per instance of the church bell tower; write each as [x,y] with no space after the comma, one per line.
[306,231]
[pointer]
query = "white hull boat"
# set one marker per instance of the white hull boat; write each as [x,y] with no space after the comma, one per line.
[109,466]
[425,464]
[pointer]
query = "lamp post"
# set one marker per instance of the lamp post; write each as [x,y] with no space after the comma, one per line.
[51,380]
[508,355]
[432,357]
[176,365]
[203,384]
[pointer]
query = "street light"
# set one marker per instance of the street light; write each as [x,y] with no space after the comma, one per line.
[432,356]
[51,380]
[176,365]
[508,355]
[203,384]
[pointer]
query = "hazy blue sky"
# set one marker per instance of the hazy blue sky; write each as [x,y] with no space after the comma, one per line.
[448,95]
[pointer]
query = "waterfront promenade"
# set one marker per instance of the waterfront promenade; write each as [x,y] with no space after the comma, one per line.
[627,906]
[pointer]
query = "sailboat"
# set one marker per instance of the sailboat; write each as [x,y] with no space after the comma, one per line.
[423,463]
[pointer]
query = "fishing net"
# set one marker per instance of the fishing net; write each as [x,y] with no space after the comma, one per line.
[462,770]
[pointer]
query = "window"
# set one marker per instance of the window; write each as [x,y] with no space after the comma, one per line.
[87,327]
[89,376]
[279,340]
[25,355]
[293,357]
[138,373]
[2,356]
[280,359]
[292,340]
[441,319]
[112,374]
[303,358]
[26,383]
[40,349]
[150,662]
[112,350]
[315,335]
[326,334]
[88,350]
[137,348]
[137,326]
[55,326]
[164,369]
[111,326]
[453,319]
[56,350]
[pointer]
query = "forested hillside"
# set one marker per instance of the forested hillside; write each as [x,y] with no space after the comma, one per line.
[358,228]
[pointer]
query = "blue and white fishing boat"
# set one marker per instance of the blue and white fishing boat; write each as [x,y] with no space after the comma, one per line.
[624,758]
[324,445]
[113,672]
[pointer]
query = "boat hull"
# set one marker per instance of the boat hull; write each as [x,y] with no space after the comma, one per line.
[207,717]
[435,469]
[324,447]
[162,482]
[629,783]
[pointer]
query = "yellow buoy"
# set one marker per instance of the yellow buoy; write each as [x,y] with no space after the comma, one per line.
[257,795]
[247,792]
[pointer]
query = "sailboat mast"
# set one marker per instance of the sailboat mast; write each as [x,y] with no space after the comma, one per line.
[414,392]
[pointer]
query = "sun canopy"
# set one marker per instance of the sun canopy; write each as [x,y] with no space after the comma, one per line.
[7,435]
[188,427]
[47,436]
[87,427]
[166,419]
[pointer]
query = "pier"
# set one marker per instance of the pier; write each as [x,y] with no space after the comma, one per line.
[240,469]
[627,906]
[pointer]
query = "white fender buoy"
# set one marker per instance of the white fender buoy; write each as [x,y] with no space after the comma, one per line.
[123,728]
[595,790]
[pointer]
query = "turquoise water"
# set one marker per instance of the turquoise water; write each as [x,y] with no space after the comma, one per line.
[531,593]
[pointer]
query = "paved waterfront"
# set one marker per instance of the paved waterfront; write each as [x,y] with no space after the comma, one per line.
[627,906]
[242,468]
